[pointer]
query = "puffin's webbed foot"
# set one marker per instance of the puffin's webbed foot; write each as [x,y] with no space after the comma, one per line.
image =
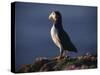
[60,57]
[62,54]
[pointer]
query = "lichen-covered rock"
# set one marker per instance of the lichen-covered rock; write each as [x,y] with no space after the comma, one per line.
[67,63]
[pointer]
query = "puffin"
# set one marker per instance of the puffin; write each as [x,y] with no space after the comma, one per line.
[59,36]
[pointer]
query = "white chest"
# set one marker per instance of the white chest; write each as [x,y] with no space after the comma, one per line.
[54,36]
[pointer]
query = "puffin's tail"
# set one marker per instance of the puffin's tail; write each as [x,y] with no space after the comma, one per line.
[73,48]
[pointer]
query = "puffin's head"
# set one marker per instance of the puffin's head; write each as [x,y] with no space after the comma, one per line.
[55,16]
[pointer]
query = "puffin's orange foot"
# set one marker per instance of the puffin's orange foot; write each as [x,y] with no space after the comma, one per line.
[60,57]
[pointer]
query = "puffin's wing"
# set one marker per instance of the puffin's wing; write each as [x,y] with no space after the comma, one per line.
[66,42]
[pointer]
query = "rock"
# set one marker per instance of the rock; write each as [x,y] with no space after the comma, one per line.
[67,63]
[24,68]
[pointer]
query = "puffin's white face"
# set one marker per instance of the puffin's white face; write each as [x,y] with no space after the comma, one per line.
[52,16]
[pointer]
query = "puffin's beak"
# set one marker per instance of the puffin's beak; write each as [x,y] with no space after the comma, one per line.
[49,17]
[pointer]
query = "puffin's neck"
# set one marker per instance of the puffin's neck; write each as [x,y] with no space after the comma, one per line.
[58,24]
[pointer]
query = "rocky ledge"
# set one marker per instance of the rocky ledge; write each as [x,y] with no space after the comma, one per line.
[67,63]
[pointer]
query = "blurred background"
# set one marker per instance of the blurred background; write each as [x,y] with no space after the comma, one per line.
[33,30]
